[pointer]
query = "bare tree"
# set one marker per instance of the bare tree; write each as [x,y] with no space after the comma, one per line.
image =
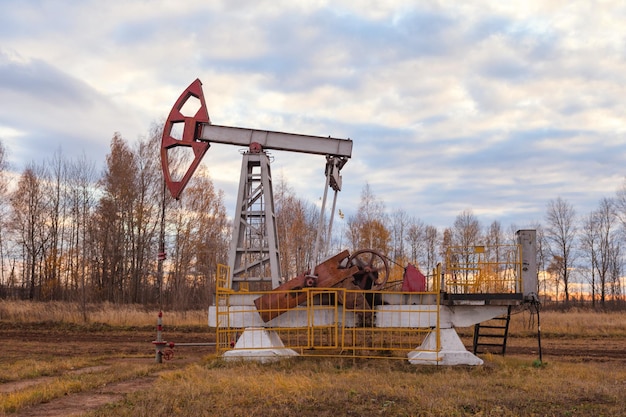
[423,243]
[416,239]
[446,242]
[616,272]
[4,166]
[368,228]
[432,240]
[211,238]
[400,225]
[81,180]
[181,230]
[554,271]
[464,235]
[296,223]
[29,221]
[606,253]
[466,231]
[620,205]
[589,242]
[56,183]
[494,239]
[200,231]
[599,240]
[145,216]
[561,233]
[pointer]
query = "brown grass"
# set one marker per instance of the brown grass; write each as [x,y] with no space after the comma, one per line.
[567,324]
[69,383]
[29,368]
[574,322]
[306,387]
[111,314]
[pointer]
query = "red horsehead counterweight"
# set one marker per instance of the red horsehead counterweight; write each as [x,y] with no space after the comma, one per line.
[188,138]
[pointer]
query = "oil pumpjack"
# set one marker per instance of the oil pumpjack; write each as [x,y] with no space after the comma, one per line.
[254,255]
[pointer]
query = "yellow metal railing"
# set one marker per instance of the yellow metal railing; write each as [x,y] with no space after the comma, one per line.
[334,322]
[483,269]
[222,295]
[223,272]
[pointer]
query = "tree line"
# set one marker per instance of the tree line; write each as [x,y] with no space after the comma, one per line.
[68,232]
[580,259]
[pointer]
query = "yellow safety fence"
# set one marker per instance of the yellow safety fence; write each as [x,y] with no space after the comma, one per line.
[483,269]
[332,322]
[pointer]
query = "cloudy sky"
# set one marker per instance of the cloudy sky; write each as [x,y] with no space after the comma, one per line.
[490,106]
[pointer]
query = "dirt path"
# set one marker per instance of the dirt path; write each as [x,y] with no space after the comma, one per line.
[38,342]
[78,404]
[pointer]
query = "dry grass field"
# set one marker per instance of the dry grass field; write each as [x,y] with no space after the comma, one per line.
[56,364]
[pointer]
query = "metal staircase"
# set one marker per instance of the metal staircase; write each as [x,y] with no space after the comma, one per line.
[492,335]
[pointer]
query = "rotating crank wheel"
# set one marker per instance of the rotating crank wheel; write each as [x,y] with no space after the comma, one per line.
[373,269]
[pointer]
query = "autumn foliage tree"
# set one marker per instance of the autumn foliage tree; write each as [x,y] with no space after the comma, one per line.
[199,235]
[114,222]
[29,222]
[68,233]
[296,223]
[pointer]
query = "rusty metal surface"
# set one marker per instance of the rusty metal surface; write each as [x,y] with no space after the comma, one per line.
[373,269]
[328,274]
[188,137]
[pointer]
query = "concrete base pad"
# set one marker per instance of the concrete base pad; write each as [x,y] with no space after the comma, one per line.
[261,345]
[452,351]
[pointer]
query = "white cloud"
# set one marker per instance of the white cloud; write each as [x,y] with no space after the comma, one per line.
[491,106]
